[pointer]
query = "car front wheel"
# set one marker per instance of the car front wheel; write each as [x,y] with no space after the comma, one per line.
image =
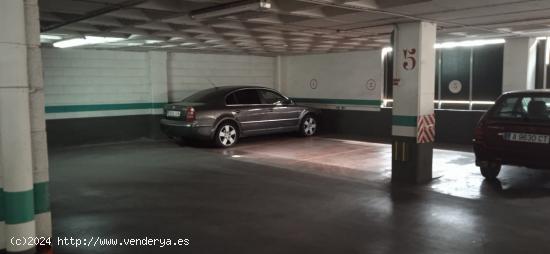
[226,135]
[308,127]
[491,170]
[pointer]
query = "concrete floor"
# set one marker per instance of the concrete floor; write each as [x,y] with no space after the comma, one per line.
[291,195]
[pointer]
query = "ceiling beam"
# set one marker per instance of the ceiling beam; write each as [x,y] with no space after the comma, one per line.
[95,13]
[401,15]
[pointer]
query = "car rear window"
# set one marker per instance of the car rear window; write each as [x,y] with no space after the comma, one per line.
[247,96]
[527,107]
[231,99]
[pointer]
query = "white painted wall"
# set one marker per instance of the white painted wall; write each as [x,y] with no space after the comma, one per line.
[338,76]
[188,73]
[76,77]
[92,77]
[99,77]
[519,68]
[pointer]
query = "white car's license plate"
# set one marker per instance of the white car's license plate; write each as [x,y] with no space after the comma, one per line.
[527,137]
[172,113]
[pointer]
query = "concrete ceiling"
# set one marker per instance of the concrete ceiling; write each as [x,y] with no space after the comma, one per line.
[288,27]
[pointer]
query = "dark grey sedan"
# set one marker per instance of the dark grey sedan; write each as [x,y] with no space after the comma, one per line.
[225,114]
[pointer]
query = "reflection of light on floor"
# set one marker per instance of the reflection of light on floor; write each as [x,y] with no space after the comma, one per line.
[454,172]
[453,219]
[456,179]
[355,142]
[381,207]
[231,153]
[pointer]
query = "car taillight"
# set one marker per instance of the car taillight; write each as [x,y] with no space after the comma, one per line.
[190,116]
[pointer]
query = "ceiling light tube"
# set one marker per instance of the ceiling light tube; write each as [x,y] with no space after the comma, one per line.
[87,40]
[452,102]
[473,43]
[230,8]
[70,43]
[50,37]
[483,102]
[448,45]
[386,101]
[153,41]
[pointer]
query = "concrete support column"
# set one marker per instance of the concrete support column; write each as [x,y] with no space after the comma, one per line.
[15,128]
[545,62]
[158,81]
[543,59]
[39,144]
[280,74]
[413,127]
[158,78]
[520,60]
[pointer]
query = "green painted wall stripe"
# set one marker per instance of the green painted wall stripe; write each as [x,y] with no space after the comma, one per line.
[130,106]
[41,197]
[340,101]
[102,107]
[19,206]
[2,210]
[404,120]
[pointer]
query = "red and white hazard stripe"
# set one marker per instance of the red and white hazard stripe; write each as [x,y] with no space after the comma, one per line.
[425,129]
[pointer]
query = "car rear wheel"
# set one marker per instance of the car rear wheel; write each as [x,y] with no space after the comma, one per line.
[226,134]
[308,127]
[491,170]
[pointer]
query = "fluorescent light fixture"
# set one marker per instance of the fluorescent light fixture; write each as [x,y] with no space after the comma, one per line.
[386,101]
[483,102]
[87,40]
[187,44]
[447,45]
[465,102]
[230,9]
[265,4]
[133,44]
[451,102]
[50,37]
[473,43]
[212,41]
[152,41]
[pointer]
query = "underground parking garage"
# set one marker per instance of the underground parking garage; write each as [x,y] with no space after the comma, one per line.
[271,126]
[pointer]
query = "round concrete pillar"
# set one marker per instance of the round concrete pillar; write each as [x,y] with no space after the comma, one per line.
[15,130]
[38,122]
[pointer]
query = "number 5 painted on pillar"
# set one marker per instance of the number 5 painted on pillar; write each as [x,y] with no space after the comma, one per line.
[409,56]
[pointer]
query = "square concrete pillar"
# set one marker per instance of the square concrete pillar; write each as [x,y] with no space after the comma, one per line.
[520,59]
[158,81]
[158,78]
[413,123]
